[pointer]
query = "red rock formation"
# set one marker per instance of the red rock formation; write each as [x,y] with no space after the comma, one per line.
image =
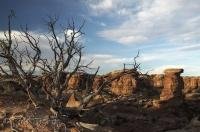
[125,85]
[80,81]
[190,84]
[173,85]
[73,102]
[192,88]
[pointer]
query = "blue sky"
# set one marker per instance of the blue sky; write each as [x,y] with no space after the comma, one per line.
[167,32]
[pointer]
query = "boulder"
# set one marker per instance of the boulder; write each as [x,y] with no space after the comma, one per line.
[73,102]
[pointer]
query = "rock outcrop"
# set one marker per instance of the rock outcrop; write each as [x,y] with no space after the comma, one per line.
[169,84]
[125,85]
[80,81]
[190,84]
[173,85]
[191,88]
[73,102]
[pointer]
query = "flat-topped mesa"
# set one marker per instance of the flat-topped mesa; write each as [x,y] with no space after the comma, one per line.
[173,85]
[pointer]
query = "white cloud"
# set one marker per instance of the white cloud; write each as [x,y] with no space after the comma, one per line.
[17,35]
[175,21]
[102,5]
[189,47]
[107,62]
[111,7]
[103,59]
[188,69]
[131,39]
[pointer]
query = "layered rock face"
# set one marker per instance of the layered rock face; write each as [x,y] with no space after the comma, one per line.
[169,84]
[190,84]
[191,88]
[173,85]
[125,85]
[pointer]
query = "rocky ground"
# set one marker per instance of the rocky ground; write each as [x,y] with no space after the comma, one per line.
[136,113]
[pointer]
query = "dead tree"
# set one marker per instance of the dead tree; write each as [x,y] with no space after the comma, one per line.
[67,54]
[14,59]
[135,66]
[66,51]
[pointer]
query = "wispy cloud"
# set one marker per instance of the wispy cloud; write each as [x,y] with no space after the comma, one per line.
[107,62]
[102,6]
[175,21]
[19,37]
[111,7]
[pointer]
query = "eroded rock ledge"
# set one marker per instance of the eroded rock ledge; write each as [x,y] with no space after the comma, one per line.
[170,84]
